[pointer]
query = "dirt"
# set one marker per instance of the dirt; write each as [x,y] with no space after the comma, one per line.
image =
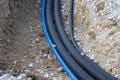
[23,47]
[97,32]
[6,31]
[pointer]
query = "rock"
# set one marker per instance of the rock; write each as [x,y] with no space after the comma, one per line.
[32,45]
[118,26]
[13,78]
[92,34]
[55,78]
[11,70]
[1,71]
[31,65]
[92,57]
[40,71]
[33,42]
[27,71]
[29,78]
[37,39]
[21,76]
[60,69]
[45,55]
[5,77]
[46,75]
[51,74]
[100,6]
[50,57]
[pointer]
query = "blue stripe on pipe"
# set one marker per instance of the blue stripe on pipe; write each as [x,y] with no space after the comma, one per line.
[52,45]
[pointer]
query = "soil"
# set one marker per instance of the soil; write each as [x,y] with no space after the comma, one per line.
[23,47]
[97,32]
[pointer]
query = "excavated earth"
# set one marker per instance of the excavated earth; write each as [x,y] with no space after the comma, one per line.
[25,54]
[24,51]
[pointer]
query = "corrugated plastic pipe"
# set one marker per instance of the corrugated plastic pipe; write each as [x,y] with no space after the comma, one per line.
[52,45]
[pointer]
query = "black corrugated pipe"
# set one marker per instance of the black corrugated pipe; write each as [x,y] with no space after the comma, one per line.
[89,66]
[75,68]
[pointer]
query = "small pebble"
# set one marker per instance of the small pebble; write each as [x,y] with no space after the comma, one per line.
[40,71]
[13,78]
[27,71]
[45,55]
[46,75]
[49,57]
[1,71]
[55,78]
[31,65]
[29,78]
[60,69]
[11,70]
[38,25]
[21,76]
[37,39]
[100,6]
[33,42]
[8,40]
[32,45]
[92,57]
[51,74]
[5,77]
